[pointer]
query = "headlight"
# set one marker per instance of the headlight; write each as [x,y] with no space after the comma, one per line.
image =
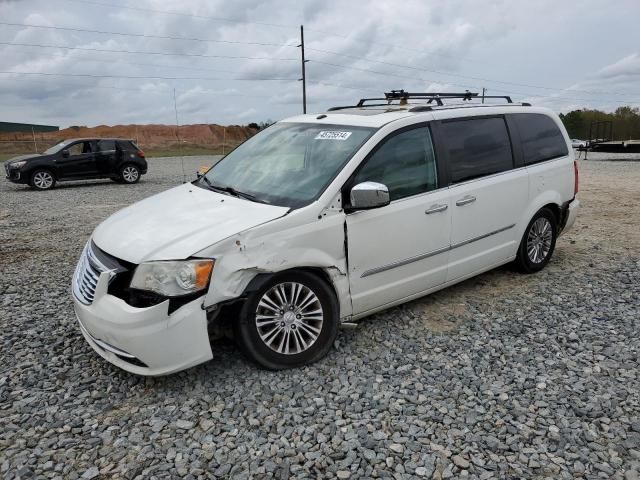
[173,279]
[18,164]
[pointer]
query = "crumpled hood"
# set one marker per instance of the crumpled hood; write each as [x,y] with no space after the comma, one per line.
[178,223]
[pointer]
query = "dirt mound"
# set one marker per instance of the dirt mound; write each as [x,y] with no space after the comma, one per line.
[149,137]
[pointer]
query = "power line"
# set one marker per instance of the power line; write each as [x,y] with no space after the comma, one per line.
[275,25]
[182,14]
[347,67]
[64,47]
[148,77]
[361,41]
[139,90]
[367,59]
[144,35]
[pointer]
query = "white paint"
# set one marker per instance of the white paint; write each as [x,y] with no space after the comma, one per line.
[177,223]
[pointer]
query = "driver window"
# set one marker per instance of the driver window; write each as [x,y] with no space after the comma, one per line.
[79,148]
[405,163]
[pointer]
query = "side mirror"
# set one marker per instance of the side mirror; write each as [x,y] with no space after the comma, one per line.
[368,195]
[65,153]
[202,170]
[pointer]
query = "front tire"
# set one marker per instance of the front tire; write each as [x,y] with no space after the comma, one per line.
[538,242]
[42,180]
[290,321]
[130,174]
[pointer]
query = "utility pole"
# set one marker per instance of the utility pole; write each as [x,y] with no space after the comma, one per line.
[483,90]
[175,108]
[304,77]
[224,139]
[35,145]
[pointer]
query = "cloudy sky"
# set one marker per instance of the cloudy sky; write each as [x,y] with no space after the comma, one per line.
[238,61]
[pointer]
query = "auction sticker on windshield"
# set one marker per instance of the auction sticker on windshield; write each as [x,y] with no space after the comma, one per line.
[332,135]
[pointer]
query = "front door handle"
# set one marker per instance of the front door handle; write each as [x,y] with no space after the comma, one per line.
[466,200]
[435,208]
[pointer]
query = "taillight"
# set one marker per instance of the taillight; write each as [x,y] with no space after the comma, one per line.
[140,153]
[576,177]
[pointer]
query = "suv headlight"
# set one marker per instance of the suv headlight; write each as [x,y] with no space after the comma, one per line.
[173,278]
[19,164]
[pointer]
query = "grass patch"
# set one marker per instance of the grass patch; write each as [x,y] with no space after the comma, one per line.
[7,156]
[185,152]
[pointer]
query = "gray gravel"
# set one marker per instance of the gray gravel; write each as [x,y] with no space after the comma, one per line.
[503,376]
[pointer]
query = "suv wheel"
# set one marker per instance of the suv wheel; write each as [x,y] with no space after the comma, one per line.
[130,174]
[292,320]
[42,180]
[538,242]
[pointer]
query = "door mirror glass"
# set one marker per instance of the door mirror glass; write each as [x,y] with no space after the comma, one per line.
[65,153]
[368,195]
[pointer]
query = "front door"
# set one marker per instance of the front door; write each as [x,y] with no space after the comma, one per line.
[401,249]
[80,163]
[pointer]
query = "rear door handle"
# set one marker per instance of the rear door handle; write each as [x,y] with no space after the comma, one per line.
[466,200]
[435,208]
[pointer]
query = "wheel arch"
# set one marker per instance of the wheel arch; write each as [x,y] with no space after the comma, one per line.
[548,199]
[49,168]
[261,278]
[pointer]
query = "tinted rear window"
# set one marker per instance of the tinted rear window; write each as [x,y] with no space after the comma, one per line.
[106,145]
[477,147]
[541,138]
[126,145]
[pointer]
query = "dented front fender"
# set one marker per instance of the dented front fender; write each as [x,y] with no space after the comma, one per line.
[297,240]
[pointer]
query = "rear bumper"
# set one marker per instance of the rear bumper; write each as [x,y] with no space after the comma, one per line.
[144,341]
[571,214]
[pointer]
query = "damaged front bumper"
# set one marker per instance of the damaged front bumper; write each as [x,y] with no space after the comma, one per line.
[144,341]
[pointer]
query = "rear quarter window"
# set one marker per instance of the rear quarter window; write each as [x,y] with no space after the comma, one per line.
[540,137]
[476,147]
[127,145]
[106,145]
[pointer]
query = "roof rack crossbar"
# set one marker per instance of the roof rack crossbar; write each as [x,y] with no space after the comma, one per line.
[430,97]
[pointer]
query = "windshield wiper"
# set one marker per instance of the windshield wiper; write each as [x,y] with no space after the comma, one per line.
[232,191]
[207,181]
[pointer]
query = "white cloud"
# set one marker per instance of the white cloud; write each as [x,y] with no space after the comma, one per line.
[587,57]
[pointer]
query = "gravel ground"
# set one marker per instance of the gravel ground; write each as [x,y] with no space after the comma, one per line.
[502,376]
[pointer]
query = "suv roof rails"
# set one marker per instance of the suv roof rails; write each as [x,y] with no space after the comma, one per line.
[430,97]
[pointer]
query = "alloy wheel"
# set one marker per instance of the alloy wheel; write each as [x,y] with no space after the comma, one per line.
[289,318]
[539,240]
[43,180]
[130,174]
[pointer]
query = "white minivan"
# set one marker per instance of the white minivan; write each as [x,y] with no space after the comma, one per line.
[324,219]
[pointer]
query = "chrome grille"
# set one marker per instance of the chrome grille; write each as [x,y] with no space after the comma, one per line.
[85,278]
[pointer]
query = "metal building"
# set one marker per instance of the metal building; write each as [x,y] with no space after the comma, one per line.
[9,127]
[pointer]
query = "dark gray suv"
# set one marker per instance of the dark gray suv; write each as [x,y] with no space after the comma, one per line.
[79,159]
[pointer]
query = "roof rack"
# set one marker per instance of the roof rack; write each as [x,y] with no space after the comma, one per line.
[430,97]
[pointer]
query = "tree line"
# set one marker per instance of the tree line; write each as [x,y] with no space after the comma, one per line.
[625,123]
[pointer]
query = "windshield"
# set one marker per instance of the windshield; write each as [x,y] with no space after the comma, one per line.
[287,164]
[56,148]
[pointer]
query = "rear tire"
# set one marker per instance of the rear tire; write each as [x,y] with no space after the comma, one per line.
[290,321]
[130,173]
[538,242]
[42,179]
